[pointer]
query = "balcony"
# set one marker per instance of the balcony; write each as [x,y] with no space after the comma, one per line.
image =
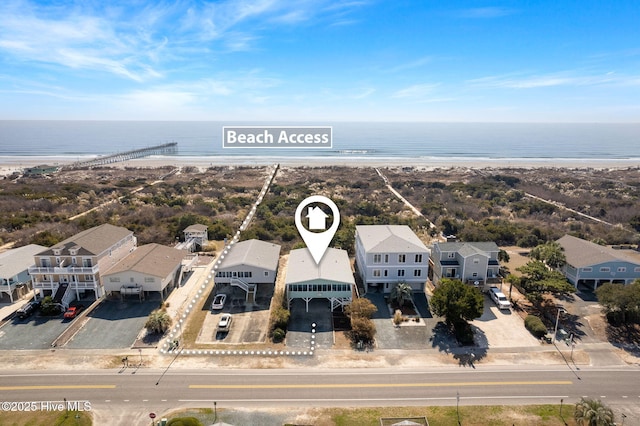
[63,270]
[48,285]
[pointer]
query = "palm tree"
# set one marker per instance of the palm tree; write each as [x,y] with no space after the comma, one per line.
[401,294]
[591,412]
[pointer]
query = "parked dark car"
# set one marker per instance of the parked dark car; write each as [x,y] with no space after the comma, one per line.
[28,309]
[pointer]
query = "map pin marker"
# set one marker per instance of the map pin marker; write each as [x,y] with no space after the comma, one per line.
[317,242]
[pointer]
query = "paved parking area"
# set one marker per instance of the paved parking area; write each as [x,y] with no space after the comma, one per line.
[35,332]
[250,322]
[114,324]
[501,328]
[299,333]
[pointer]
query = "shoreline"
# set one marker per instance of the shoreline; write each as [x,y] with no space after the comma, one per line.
[11,164]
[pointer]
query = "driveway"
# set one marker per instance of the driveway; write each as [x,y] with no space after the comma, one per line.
[299,330]
[501,328]
[34,332]
[114,324]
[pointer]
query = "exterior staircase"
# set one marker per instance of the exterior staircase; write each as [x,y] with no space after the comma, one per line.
[250,289]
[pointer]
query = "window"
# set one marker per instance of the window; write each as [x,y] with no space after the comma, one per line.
[636,269]
[402,258]
[474,275]
[386,273]
[386,258]
[451,255]
[622,269]
[377,258]
[401,272]
[266,273]
[376,273]
[417,272]
[587,269]
[418,258]
[114,279]
[88,277]
[149,280]
[605,269]
[476,260]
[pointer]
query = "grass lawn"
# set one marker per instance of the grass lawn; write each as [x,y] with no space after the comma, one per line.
[495,415]
[45,418]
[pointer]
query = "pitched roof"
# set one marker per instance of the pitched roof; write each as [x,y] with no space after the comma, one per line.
[259,254]
[92,241]
[17,260]
[150,259]
[196,228]
[468,248]
[389,239]
[334,266]
[581,253]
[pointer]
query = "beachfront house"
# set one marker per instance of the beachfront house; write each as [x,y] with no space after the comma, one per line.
[470,262]
[73,267]
[589,264]
[332,279]
[390,254]
[149,268]
[15,281]
[250,265]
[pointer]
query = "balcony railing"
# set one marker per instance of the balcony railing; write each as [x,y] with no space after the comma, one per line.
[67,270]
[47,285]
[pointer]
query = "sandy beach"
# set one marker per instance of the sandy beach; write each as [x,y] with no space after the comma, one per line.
[11,164]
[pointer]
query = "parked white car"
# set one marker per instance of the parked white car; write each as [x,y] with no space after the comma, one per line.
[225,322]
[499,298]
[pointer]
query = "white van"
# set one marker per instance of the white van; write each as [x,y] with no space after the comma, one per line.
[499,299]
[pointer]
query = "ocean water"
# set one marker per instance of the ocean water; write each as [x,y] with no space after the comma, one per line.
[375,140]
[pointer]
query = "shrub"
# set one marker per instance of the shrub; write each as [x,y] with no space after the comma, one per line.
[362,329]
[184,421]
[535,326]
[159,321]
[49,307]
[397,317]
[278,335]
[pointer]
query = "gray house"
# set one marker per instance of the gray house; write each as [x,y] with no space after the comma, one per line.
[389,254]
[332,279]
[148,268]
[249,264]
[14,270]
[474,263]
[592,264]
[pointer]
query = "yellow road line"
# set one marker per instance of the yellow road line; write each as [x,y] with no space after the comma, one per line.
[53,387]
[381,385]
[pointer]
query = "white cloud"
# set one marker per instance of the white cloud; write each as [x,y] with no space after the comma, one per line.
[543,80]
[415,91]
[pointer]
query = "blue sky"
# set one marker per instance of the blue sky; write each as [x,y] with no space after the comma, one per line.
[318,60]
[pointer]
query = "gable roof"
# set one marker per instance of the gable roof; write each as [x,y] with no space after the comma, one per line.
[92,241]
[334,266]
[466,249]
[581,253]
[17,260]
[196,228]
[151,259]
[389,239]
[259,254]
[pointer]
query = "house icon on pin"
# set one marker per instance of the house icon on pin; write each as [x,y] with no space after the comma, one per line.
[317,218]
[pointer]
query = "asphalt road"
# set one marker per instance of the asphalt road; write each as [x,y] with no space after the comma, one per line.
[140,391]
